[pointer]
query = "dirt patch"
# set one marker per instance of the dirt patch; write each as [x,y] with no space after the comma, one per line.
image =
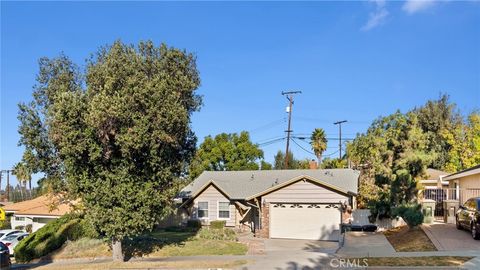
[409,239]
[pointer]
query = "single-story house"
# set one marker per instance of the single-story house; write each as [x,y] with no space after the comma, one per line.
[296,204]
[466,183]
[434,179]
[37,212]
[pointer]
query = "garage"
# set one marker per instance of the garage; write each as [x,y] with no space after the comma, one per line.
[305,221]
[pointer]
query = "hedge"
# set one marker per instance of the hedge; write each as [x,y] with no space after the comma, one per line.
[51,237]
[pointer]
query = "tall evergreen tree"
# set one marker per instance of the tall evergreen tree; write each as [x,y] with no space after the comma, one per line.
[119,139]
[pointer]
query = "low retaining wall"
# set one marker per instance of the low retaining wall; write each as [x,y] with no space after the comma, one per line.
[360,217]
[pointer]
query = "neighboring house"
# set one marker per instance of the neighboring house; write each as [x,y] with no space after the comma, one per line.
[466,183]
[37,212]
[296,204]
[434,179]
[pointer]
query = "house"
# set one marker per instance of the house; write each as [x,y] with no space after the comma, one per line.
[295,204]
[37,212]
[434,179]
[466,183]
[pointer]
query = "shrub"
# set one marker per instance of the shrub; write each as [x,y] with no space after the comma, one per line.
[51,237]
[28,228]
[218,224]
[5,224]
[194,224]
[411,214]
[217,234]
[19,227]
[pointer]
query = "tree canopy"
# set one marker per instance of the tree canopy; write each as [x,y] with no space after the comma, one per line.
[396,149]
[293,163]
[118,135]
[227,152]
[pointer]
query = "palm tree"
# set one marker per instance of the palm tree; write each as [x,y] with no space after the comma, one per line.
[23,174]
[319,143]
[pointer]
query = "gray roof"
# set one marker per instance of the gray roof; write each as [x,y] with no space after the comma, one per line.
[243,184]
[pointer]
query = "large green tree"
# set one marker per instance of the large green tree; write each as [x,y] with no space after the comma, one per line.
[118,134]
[227,152]
[318,140]
[394,153]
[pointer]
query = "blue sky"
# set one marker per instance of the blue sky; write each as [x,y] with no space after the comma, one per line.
[352,60]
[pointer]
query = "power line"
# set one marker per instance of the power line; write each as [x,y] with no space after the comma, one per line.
[303,148]
[268,125]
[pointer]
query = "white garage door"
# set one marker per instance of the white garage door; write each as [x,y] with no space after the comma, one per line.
[305,221]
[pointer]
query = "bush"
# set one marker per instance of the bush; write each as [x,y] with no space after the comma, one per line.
[51,237]
[218,224]
[217,234]
[19,227]
[5,224]
[28,228]
[411,214]
[194,224]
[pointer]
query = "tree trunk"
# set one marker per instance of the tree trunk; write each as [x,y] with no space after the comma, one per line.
[117,250]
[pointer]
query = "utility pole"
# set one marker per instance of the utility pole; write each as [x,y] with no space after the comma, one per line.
[289,95]
[339,123]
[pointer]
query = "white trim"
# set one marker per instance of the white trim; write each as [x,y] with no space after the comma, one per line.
[208,210]
[218,210]
[36,216]
[462,174]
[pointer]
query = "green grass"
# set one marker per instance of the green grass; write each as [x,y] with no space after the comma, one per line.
[158,244]
[201,247]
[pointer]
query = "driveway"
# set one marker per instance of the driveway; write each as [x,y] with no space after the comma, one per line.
[446,237]
[365,244]
[292,254]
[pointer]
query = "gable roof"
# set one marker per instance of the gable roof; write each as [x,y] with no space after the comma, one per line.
[434,174]
[467,172]
[240,185]
[40,206]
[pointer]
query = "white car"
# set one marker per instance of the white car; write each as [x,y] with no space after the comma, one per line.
[12,240]
[5,233]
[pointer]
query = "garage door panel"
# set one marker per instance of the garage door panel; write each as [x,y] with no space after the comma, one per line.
[302,221]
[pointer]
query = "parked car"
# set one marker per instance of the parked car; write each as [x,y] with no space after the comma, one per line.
[5,262]
[12,240]
[5,233]
[468,217]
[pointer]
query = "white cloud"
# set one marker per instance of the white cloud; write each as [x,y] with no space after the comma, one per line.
[414,6]
[376,17]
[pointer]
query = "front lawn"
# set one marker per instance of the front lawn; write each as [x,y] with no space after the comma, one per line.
[415,261]
[159,244]
[409,239]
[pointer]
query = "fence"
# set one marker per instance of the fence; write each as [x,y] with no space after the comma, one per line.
[360,217]
[441,194]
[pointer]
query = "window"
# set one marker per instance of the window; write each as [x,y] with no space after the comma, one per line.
[223,210]
[19,218]
[202,210]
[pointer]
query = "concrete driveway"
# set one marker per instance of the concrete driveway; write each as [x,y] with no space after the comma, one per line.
[283,254]
[446,237]
[365,244]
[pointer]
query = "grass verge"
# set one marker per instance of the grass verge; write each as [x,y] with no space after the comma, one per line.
[415,261]
[146,265]
[409,239]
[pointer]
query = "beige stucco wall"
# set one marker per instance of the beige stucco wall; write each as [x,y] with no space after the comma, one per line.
[213,196]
